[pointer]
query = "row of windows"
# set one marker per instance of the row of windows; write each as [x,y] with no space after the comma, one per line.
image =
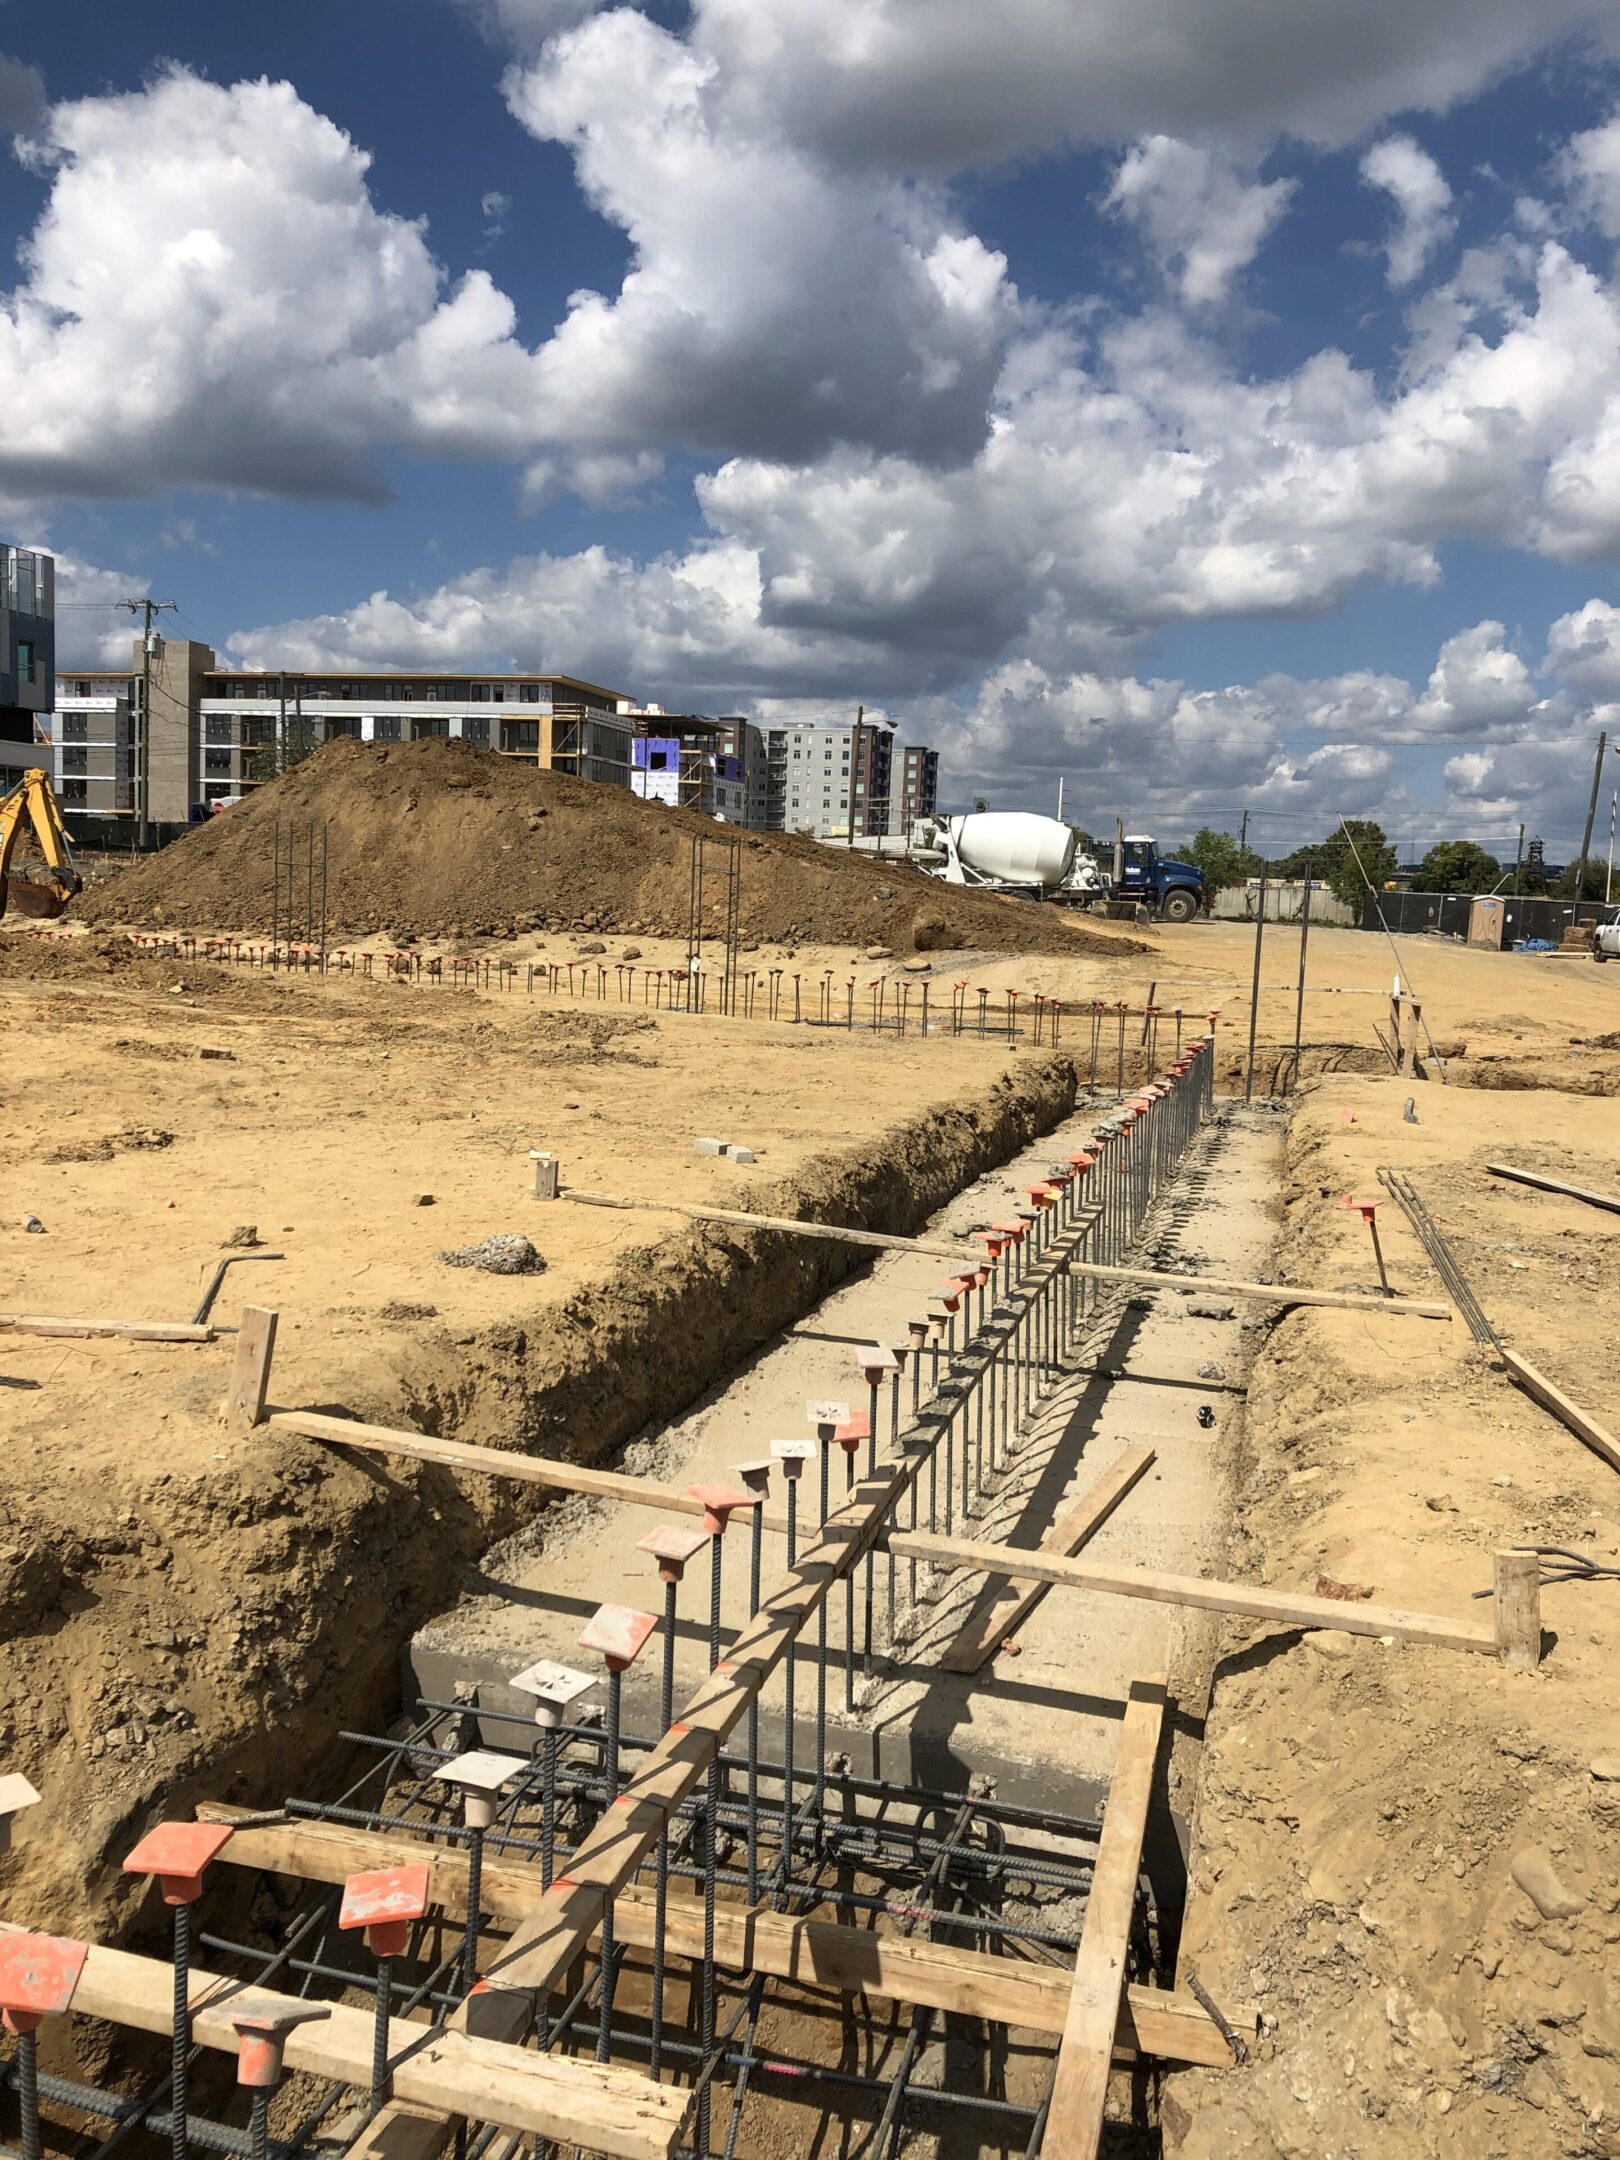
[402,692]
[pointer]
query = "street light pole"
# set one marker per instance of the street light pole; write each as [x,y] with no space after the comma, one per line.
[854,768]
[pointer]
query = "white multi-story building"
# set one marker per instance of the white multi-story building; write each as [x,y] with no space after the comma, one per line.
[821,779]
[88,744]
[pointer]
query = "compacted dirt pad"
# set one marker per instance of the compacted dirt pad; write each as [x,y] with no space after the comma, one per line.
[442,839]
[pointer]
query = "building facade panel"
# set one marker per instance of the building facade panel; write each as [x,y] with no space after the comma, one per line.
[27,654]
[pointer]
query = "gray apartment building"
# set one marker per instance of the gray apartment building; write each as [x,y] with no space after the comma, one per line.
[27,655]
[822,780]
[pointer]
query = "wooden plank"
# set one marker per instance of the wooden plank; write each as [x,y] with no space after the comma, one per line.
[816,1953]
[567,1914]
[250,1368]
[1580,1422]
[979,1641]
[454,2073]
[1293,1608]
[1611,1201]
[131,1330]
[496,1462]
[1075,2120]
[1517,1580]
[1263,1293]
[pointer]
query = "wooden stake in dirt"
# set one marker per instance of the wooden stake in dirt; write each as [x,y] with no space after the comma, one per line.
[1075,2120]
[1517,1580]
[250,1368]
[1611,1201]
[979,1641]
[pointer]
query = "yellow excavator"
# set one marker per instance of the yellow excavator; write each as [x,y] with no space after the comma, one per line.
[33,801]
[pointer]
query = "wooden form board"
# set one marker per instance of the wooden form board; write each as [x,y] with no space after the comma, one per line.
[1075,2119]
[1611,1201]
[1580,1422]
[250,1367]
[816,1953]
[1264,1293]
[979,1641]
[497,1462]
[131,1330]
[1291,1608]
[453,2073]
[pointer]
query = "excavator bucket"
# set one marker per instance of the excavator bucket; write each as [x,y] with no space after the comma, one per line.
[35,897]
[31,806]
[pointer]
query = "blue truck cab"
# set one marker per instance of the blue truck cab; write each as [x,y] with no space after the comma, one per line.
[1172,889]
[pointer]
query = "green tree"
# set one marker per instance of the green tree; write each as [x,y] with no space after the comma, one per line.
[1597,871]
[1334,860]
[1457,866]
[1221,862]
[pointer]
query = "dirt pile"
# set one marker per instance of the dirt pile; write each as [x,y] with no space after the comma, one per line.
[438,839]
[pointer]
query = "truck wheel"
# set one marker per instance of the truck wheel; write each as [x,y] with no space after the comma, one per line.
[1179,906]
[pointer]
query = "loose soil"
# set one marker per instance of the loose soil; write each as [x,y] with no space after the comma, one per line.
[1412,1859]
[441,838]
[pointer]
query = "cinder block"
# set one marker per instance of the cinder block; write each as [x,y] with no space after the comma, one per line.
[709,1147]
[741,1154]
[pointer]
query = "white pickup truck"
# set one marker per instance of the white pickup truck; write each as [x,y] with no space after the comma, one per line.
[1606,939]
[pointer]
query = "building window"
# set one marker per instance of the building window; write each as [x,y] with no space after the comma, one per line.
[521,735]
[425,728]
[217,761]
[475,731]
[478,693]
[25,659]
[217,727]
[76,792]
[351,728]
[75,727]
[76,759]
[385,728]
[497,692]
[528,693]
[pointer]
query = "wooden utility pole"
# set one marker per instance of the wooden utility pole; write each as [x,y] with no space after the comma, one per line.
[1591,813]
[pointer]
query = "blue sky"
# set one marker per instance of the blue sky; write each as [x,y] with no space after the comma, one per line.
[1216,411]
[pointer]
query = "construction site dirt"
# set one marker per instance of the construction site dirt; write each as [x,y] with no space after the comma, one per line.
[1400,1864]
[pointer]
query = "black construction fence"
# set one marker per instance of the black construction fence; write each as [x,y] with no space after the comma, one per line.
[1527,916]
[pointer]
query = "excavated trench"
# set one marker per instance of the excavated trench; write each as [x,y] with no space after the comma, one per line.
[338,1564]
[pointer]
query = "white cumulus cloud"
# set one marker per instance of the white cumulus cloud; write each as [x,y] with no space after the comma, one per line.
[1422,198]
[1202,218]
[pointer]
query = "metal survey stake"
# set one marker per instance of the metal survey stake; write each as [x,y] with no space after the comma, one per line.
[479,1776]
[792,1455]
[720,1503]
[262,2024]
[554,1689]
[385,1902]
[38,1977]
[179,1855]
[756,1478]
[618,1634]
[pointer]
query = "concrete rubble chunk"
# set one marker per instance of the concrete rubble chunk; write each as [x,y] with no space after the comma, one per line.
[1532,1869]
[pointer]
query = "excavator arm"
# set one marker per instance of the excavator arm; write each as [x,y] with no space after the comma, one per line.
[33,800]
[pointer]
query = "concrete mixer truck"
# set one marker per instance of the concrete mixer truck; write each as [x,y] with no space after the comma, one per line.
[1019,851]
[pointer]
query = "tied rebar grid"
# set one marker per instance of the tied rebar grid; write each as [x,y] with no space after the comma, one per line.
[789,1838]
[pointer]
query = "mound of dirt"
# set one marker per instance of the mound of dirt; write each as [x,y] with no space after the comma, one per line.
[439,839]
[30,956]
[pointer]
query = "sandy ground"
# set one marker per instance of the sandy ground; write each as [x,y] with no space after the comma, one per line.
[188,1610]
[1413,1859]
